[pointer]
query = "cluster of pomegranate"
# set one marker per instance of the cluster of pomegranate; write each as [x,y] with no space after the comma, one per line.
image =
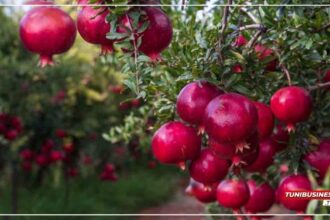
[48,30]
[241,135]
[10,126]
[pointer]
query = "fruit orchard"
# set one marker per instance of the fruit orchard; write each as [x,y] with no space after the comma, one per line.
[233,93]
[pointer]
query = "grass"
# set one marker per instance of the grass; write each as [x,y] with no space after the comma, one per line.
[137,189]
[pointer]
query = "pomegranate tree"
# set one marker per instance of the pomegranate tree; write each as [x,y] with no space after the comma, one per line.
[47,31]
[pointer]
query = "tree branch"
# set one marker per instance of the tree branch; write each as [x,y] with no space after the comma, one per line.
[224,24]
[251,26]
[324,27]
[253,18]
[283,68]
[320,85]
[254,39]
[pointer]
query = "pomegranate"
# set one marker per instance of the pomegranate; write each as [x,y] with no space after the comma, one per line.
[193,99]
[237,68]
[60,133]
[262,197]
[327,78]
[11,134]
[135,103]
[264,53]
[291,105]
[56,155]
[265,158]
[109,168]
[265,120]
[230,118]
[202,193]
[280,137]
[47,145]
[320,158]
[174,143]
[104,176]
[42,160]
[93,27]
[224,151]
[208,168]
[26,166]
[156,37]
[233,193]
[116,89]
[27,154]
[240,41]
[293,183]
[68,147]
[47,31]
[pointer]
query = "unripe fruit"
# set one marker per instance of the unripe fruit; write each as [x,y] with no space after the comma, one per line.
[208,168]
[262,197]
[193,99]
[265,120]
[174,142]
[280,137]
[267,151]
[47,31]
[93,27]
[233,193]
[291,105]
[294,183]
[202,193]
[230,118]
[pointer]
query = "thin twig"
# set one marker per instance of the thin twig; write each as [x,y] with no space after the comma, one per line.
[251,26]
[283,67]
[253,18]
[254,39]
[320,85]
[224,24]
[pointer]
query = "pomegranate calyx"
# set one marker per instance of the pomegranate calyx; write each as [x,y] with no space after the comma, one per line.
[46,60]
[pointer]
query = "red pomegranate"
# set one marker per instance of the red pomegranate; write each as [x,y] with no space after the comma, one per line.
[293,183]
[267,151]
[230,118]
[56,155]
[27,154]
[93,27]
[262,197]
[60,133]
[202,193]
[47,145]
[291,105]
[42,160]
[193,99]
[47,31]
[11,134]
[327,78]
[68,147]
[37,3]
[208,168]
[157,36]
[237,68]
[265,120]
[280,137]
[240,41]
[320,158]
[174,143]
[224,151]
[233,193]
[265,53]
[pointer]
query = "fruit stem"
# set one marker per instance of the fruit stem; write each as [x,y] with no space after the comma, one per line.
[46,60]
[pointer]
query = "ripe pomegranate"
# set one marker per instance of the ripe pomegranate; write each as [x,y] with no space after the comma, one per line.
[293,183]
[56,155]
[237,68]
[327,78]
[265,120]
[174,143]
[280,137]
[11,134]
[262,197]
[208,168]
[240,41]
[109,168]
[291,105]
[68,147]
[193,99]
[224,151]
[47,145]
[93,27]
[233,193]
[27,155]
[116,89]
[42,160]
[135,103]
[47,31]
[16,123]
[320,158]
[156,37]
[230,118]
[60,133]
[267,151]
[104,176]
[264,53]
[202,193]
